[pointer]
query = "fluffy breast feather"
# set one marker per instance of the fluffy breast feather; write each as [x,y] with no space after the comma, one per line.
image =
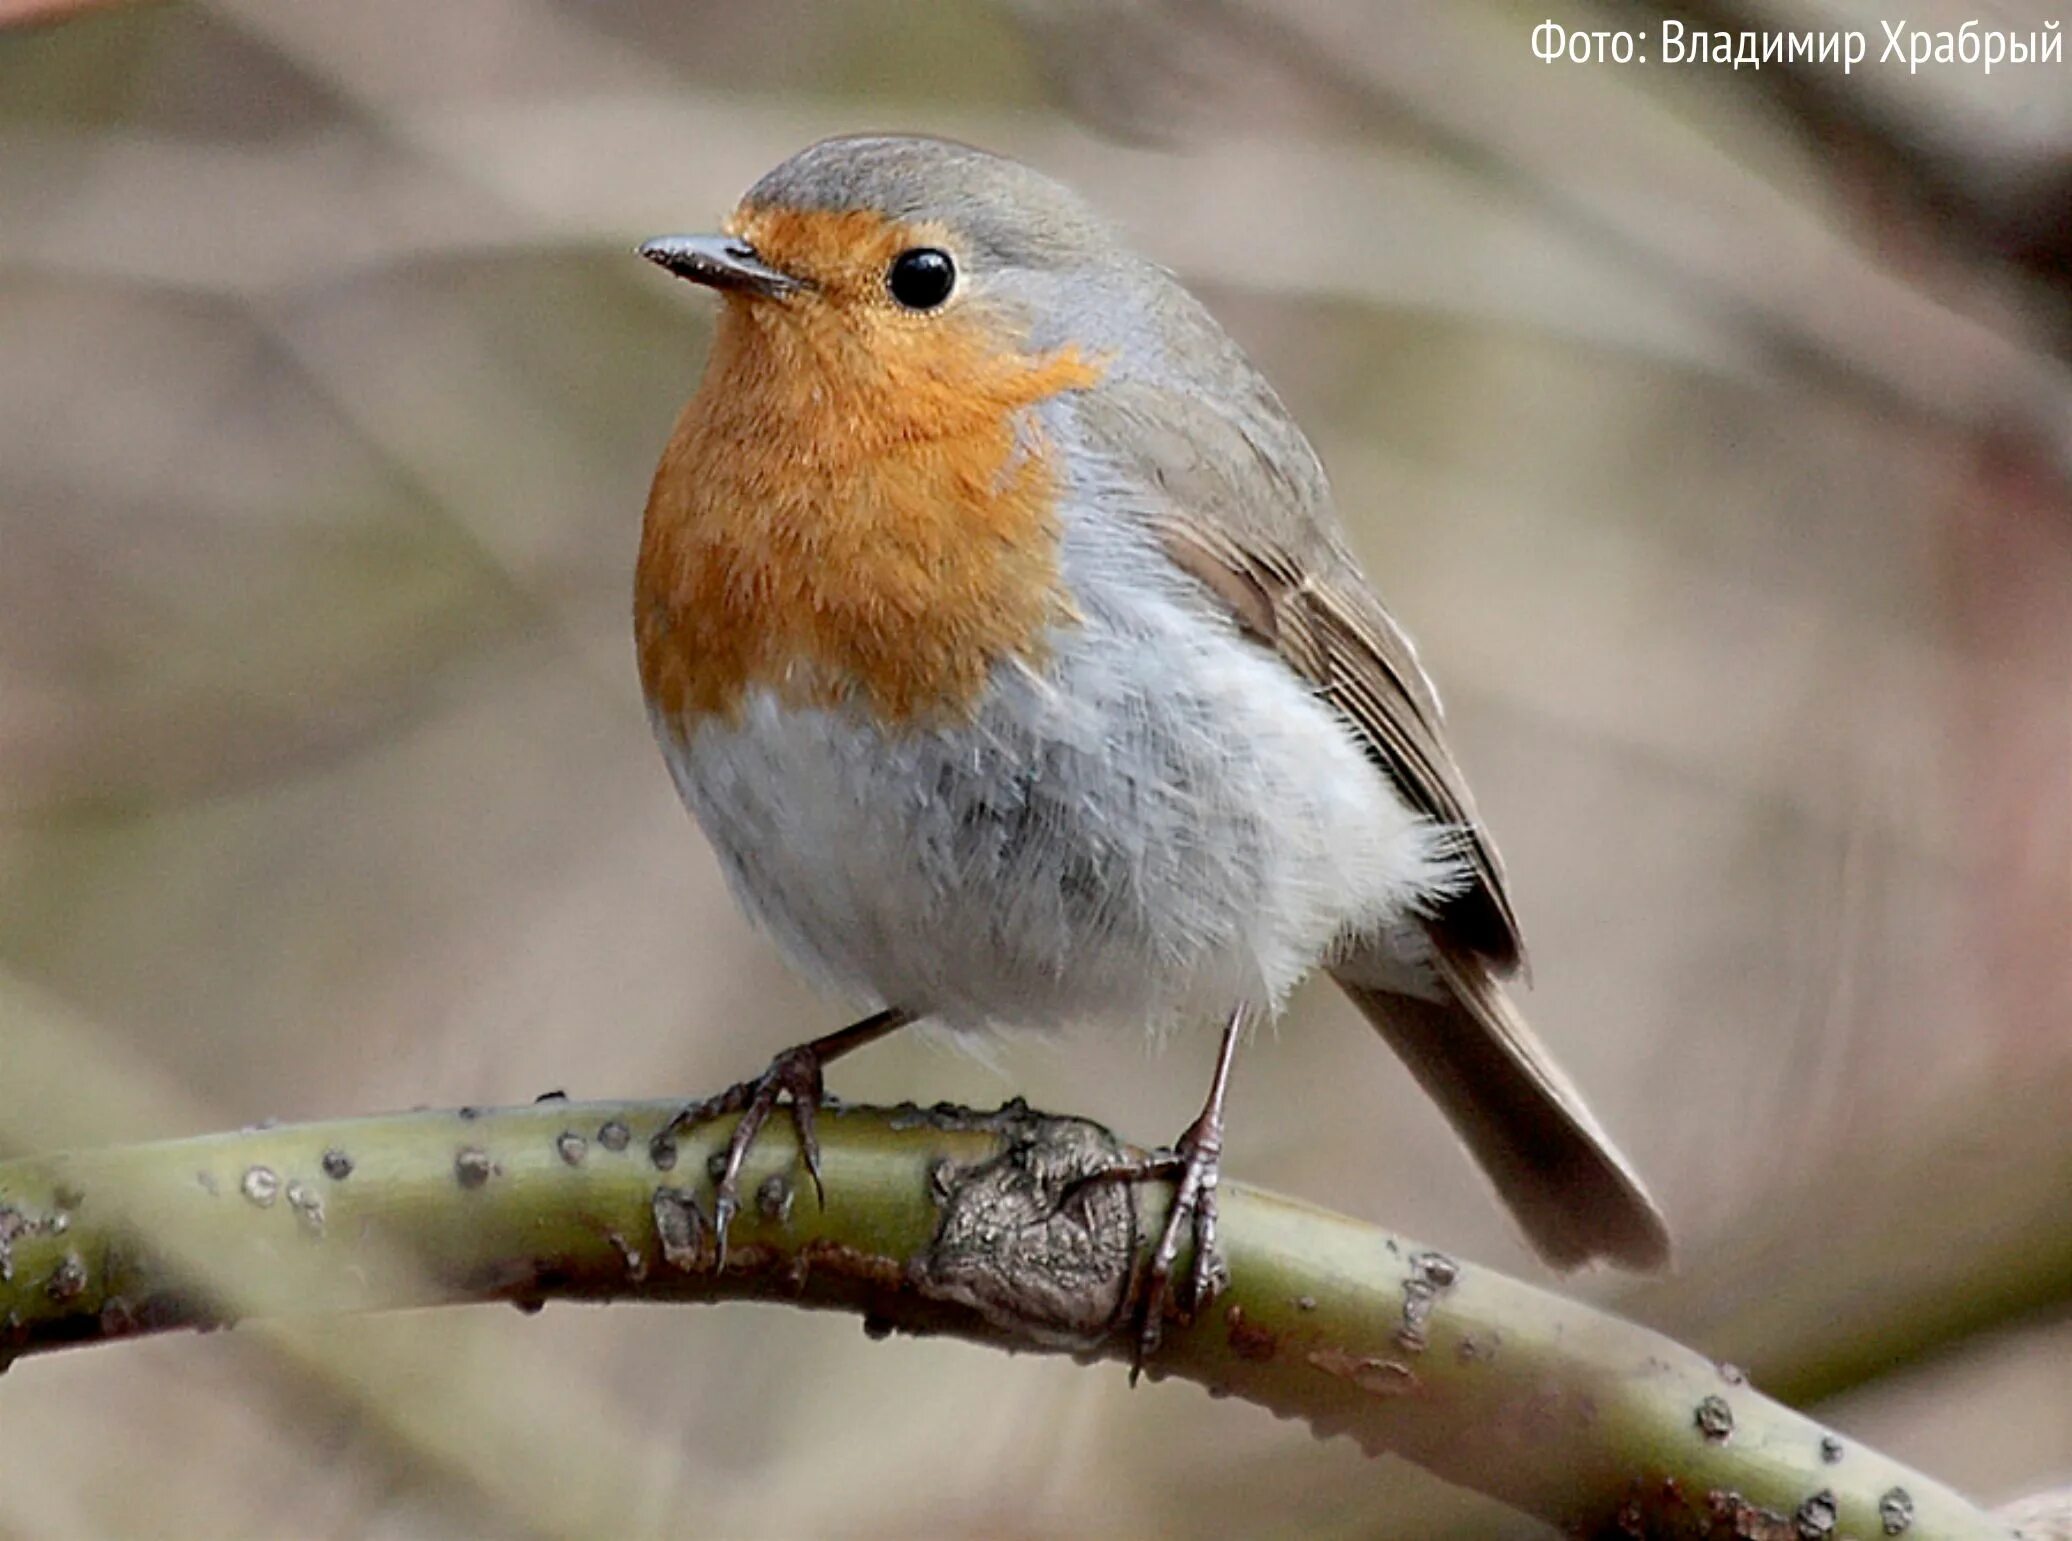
[1156,823]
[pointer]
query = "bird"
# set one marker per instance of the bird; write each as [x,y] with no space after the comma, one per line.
[999,630]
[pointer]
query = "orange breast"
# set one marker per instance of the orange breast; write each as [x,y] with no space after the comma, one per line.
[833,518]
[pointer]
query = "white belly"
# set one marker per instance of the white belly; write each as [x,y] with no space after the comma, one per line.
[1161,824]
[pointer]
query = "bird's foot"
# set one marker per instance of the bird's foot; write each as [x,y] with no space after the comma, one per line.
[796,1076]
[1193,1165]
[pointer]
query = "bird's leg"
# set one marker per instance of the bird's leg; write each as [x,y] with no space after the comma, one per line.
[1194,1161]
[796,1073]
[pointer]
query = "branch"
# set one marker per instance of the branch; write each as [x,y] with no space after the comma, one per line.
[942,1221]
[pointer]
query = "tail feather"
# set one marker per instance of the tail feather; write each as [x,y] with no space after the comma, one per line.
[1518,1113]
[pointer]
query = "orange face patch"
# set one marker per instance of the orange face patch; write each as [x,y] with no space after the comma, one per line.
[854,502]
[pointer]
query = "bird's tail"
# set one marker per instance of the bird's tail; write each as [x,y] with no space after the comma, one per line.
[1558,1171]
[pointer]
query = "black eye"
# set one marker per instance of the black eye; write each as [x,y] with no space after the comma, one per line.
[922,278]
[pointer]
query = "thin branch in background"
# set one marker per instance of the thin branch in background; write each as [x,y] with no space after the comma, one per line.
[1389,82]
[32,13]
[1811,1294]
[2013,210]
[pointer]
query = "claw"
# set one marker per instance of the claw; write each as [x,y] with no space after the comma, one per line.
[722,1221]
[809,1140]
[796,1074]
[1195,1160]
[1192,1165]
[1195,1164]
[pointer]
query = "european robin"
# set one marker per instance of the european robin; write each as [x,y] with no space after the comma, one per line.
[999,631]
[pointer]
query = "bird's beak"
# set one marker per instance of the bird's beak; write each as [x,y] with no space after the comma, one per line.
[720,262]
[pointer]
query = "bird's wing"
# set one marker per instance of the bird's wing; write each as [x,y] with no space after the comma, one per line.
[1233,492]
[1239,504]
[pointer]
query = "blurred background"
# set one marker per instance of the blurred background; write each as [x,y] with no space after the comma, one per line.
[1710,429]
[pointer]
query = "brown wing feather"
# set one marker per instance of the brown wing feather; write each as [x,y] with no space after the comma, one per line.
[1246,514]
[1341,640]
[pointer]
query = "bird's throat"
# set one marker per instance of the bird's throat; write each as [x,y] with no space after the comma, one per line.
[834,523]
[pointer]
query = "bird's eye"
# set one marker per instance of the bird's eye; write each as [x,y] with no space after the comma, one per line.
[922,278]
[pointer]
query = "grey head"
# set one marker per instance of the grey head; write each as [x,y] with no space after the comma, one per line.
[1006,214]
[1024,245]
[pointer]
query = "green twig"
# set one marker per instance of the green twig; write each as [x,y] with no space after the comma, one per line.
[944,1221]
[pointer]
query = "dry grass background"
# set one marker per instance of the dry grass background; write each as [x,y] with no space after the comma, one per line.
[1729,512]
